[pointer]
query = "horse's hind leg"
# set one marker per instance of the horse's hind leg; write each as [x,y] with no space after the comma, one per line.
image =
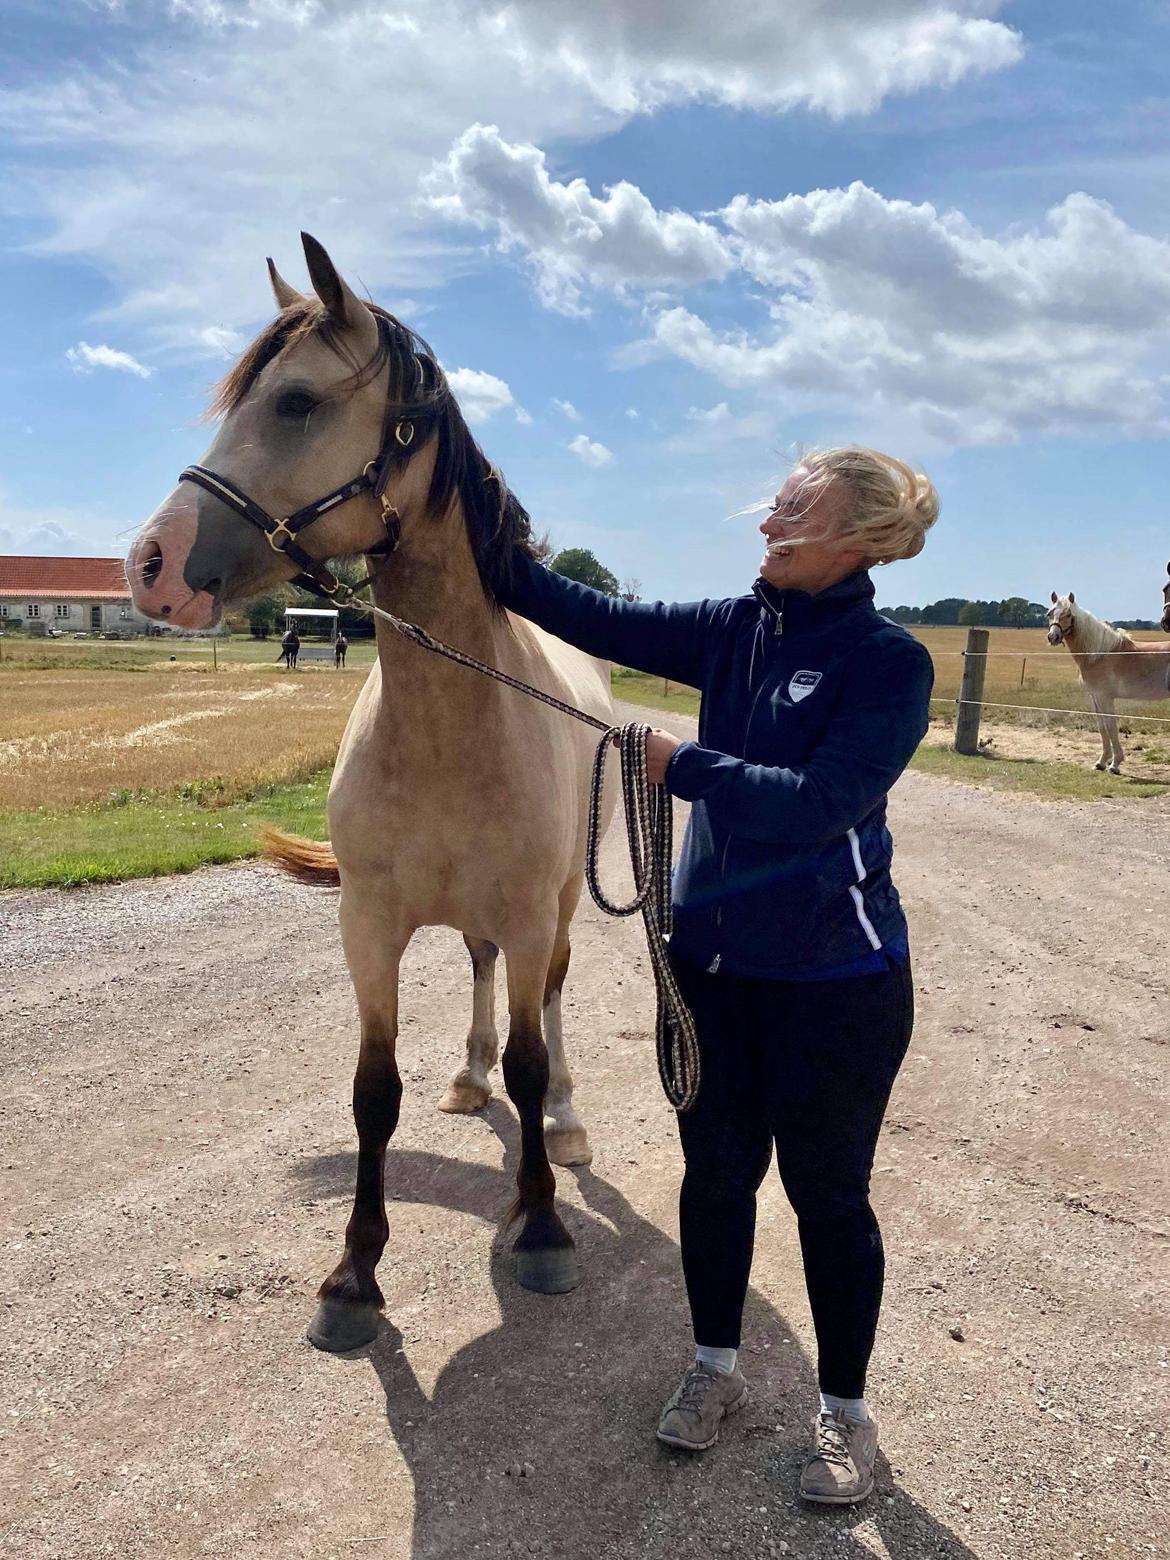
[350,1299]
[1111,753]
[470,1089]
[564,1132]
[545,1258]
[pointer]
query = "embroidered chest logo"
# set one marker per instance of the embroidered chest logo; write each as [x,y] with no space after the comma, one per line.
[802,685]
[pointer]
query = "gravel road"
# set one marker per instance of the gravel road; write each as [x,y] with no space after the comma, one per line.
[176,1162]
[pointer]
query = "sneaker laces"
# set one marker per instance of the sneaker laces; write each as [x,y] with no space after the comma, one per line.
[833,1440]
[697,1382]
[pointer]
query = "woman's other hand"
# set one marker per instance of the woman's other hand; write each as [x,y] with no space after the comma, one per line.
[660,746]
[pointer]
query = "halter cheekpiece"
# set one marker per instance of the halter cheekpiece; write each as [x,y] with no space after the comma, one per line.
[398,440]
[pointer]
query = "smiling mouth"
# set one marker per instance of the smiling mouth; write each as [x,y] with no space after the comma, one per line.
[777,550]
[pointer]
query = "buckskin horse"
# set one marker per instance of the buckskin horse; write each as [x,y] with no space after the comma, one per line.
[1112,665]
[454,801]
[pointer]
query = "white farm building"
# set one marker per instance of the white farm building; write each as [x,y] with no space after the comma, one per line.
[72,595]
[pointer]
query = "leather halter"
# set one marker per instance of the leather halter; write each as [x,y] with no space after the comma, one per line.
[398,445]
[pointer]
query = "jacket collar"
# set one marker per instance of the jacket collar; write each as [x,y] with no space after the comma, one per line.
[784,609]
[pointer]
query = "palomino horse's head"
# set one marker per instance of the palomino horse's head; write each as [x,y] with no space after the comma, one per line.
[1062,617]
[1166,604]
[338,431]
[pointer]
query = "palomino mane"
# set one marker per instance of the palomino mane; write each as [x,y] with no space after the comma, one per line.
[496,520]
[1094,636]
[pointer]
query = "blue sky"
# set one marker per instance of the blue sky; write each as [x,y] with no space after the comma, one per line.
[661,248]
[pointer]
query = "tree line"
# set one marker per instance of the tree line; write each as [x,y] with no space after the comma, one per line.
[1011,612]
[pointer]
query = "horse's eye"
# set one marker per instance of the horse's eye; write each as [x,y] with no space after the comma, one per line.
[296,403]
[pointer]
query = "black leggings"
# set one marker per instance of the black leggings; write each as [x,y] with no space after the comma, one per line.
[806,1066]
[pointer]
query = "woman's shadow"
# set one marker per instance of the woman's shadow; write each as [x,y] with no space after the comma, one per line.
[539,1436]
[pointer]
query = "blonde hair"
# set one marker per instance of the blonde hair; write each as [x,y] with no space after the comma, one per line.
[888,507]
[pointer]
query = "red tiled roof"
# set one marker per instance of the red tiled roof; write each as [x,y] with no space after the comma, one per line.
[62,578]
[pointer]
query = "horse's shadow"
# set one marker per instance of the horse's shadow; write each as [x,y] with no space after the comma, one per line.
[538,1438]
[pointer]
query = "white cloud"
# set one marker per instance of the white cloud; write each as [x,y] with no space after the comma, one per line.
[589,452]
[57,533]
[710,414]
[633,413]
[571,237]
[567,409]
[221,341]
[86,358]
[96,148]
[842,57]
[880,304]
[481,395]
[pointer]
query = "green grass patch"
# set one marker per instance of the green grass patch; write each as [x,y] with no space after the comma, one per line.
[135,836]
[657,693]
[1071,781]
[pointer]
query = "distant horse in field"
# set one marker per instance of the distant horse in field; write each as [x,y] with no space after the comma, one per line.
[1112,666]
[455,801]
[1166,604]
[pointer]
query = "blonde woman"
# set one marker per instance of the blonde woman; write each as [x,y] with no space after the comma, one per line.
[790,944]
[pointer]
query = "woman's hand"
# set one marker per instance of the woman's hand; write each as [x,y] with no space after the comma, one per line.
[660,746]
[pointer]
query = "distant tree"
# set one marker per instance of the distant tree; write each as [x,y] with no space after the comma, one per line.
[578,563]
[631,589]
[263,614]
[970,614]
[1014,611]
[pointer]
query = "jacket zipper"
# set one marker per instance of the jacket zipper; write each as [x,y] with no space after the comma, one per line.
[778,630]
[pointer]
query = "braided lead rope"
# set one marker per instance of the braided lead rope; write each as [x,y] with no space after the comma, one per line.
[649,830]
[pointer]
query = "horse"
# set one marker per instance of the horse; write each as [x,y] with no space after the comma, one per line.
[340,646]
[455,800]
[1166,604]
[1112,665]
[290,648]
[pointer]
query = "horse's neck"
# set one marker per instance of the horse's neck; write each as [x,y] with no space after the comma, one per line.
[1091,636]
[432,580]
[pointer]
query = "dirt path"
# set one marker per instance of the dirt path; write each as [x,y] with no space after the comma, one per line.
[176,1156]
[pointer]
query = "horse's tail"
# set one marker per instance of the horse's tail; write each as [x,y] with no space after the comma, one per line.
[309,861]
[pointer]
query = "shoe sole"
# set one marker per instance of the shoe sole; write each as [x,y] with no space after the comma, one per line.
[702,1446]
[839,1500]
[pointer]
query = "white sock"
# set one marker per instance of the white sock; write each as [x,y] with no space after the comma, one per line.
[722,1360]
[854,1409]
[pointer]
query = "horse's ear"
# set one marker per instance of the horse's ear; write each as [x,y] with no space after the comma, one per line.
[284,294]
[1053,598]
[1168,568]
[343,305]
[1072,600]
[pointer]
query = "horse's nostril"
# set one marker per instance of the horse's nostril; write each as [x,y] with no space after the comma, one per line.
[152,566]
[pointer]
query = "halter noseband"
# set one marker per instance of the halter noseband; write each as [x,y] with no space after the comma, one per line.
[398,438]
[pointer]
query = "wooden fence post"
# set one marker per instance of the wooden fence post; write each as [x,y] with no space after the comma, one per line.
[971,691]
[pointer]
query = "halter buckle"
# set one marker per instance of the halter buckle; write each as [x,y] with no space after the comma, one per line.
[280,528]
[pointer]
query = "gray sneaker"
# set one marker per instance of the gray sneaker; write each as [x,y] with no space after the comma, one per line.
[840,1470]
[692,1417]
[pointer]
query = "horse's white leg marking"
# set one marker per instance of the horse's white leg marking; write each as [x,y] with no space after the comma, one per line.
[1103,732]
[564,1132]
[1112,738]
[470,1089]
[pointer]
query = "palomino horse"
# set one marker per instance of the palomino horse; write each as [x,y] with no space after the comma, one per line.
[1112,666]
[455,801]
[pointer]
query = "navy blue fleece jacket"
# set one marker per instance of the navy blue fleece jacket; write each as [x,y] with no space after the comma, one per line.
[811,708]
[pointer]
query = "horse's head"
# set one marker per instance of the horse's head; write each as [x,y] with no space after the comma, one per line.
[1166,604]
[333,395]
[1062,617]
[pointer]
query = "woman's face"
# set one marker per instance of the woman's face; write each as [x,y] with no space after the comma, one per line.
[810,514]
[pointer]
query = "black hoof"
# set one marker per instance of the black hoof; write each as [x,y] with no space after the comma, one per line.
[340,1325]
[552,1270]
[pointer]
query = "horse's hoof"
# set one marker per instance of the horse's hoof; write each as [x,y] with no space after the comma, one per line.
[341,1325]
[567,1146]
[1114,769]
[463,1099]
[551,1270]
[1100,766]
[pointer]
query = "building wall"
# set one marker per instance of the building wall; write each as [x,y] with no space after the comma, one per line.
[74,617]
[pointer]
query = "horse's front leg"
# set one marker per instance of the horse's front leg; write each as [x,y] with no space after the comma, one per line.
[470,1089]
[350,1300]
[544,1253]
[564,1131]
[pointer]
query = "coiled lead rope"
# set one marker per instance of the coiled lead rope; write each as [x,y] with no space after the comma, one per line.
[649,829]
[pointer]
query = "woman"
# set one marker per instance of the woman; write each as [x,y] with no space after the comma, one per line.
[789,941]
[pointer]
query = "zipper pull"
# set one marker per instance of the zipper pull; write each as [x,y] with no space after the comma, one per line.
[778,631]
